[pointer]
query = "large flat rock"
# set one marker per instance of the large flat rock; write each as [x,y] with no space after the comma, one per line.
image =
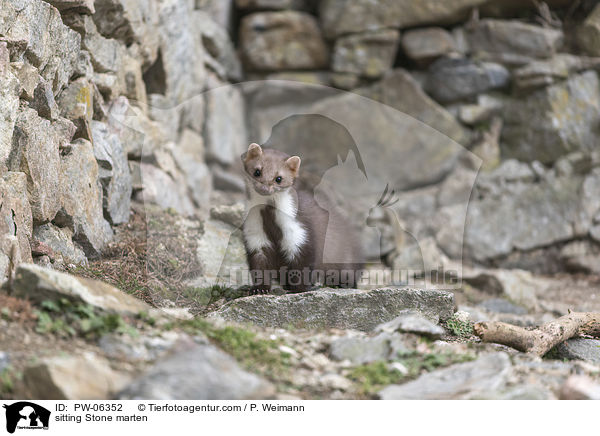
[564,116]
[198,372]
[580,349]
[471,380]
[523,217]
[339,17]
[39,284]
[287,40]
[73,377]
[338,308]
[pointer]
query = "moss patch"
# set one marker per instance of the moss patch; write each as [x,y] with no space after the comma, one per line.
[462,329]
[66,319]
[374,376]
[417,363]
[8,377]
[254,353]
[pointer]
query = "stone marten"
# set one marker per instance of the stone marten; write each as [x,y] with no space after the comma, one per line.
[288,236]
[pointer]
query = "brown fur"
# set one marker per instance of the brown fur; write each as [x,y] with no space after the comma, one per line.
[318,223]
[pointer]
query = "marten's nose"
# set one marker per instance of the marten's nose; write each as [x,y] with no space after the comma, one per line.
[265,190]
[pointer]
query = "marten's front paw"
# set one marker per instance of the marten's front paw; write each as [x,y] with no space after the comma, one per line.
[259,291]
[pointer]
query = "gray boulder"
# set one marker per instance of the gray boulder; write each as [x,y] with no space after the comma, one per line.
[60,240]
[451,80]
[113,173]
[179,72]
[76,104]
[401,91]
[192,143]
[563,116]
[271,101]
[196,175]
[289,40]
[412,322]
[227,180]
[131,80]
[523,217]
[581,256]
[36,144]
[225,135]
[500,305]
[116,70]
[588,34]
[361,350]
[81,199]
[479,379]
[83,66]
[78,6]
[10,89]
[190,174]
[144,348]
[541,73]
[16,221]
[43,101]
[220,52]
[517,286]
[158,187]
[595,232]
[512,42]
[130,21]
[230,214]
[580,349]
[197,372]
[219,10]
[368,54]
[579,387]
[337,308]
[221,253]
[27,76]
[589,202]
[38,284]
[457,187]
[339,17]
[36,28]
[140,136]
[348,120]
[51,378]
[106,53]
[425,45]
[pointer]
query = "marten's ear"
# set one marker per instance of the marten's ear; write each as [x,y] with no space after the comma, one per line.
[293,163]
[254,151]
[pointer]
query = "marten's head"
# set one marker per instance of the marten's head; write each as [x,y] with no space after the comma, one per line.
[269,171]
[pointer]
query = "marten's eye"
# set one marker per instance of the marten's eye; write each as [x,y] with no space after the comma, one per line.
[278,179]
[257,173]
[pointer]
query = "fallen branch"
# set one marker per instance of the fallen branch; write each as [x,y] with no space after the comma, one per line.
[542,339]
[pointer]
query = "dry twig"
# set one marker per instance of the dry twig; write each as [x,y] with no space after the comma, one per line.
[542,339]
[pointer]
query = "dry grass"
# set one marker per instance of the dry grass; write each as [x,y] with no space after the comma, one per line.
[151,257]
[16,310]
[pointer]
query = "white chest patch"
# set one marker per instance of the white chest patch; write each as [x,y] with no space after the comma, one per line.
[294,235]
